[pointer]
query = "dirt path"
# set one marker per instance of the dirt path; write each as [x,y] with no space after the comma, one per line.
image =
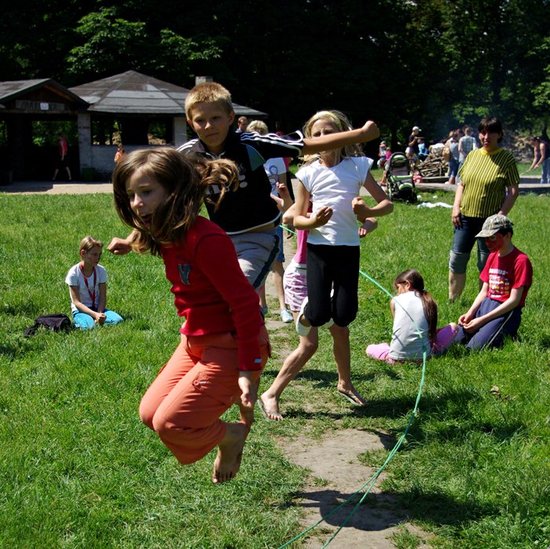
[336,474]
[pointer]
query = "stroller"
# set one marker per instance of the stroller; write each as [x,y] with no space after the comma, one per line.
[400,182]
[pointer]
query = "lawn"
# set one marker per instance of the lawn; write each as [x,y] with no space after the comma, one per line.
[79,470]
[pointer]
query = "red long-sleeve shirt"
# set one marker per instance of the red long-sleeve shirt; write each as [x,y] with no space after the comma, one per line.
[211,291]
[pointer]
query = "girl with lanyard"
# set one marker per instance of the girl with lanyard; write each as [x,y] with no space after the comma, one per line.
[87,283]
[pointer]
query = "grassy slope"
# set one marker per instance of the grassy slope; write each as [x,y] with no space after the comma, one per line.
[78,469]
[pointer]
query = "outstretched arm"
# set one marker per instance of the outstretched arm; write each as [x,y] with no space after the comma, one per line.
[338,140]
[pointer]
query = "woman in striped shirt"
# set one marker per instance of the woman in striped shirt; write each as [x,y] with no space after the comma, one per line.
[488,185]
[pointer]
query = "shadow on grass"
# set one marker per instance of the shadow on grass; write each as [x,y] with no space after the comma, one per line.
[380,511]
[450,411]
[21,309]
[327,379]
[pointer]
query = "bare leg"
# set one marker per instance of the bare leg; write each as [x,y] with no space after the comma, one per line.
[293,363]
[342,355]
[263,302]
[278,272]
[457,281]
[230,453]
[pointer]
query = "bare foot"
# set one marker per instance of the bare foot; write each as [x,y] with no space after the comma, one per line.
[230,453]
[351,394]
[270,407]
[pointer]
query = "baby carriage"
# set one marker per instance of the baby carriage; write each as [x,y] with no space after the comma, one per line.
[400,182]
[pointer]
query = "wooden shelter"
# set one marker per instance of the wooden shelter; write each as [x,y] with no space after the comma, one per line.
[130,108]
[25,106]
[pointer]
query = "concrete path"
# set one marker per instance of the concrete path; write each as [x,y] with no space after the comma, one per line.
[528,184]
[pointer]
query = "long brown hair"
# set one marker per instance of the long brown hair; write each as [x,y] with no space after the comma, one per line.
[414,278]
[186,183]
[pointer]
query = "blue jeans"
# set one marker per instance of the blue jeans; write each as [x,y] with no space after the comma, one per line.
[83,321]
[453,166]
[463,241]
[491,334]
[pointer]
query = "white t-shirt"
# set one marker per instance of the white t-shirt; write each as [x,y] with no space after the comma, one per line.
[336,187]
[410,328]
[76,278]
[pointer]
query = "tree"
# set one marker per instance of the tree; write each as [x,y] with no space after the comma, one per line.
[114,44]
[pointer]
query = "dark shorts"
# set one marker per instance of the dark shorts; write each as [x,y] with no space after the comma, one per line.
[332,268]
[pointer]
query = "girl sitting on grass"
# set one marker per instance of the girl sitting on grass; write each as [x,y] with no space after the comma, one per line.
[224,344]
[414,323]
[87,283]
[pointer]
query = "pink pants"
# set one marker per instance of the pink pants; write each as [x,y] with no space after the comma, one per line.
[192,391]
[444,339]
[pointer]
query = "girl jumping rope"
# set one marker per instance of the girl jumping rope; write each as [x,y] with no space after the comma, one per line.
[332,181]
[295,287]
[87,281]
[414,323]
[224,344]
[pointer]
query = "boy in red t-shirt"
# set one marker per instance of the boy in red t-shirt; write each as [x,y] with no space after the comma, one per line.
[507,276]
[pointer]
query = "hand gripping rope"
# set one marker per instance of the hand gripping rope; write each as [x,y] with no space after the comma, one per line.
[357,498]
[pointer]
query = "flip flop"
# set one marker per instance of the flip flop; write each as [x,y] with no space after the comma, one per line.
[352,398]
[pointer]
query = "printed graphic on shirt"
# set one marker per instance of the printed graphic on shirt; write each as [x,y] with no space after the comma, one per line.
[499,283]
[242,176]
[185,271]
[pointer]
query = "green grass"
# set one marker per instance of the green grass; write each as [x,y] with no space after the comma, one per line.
[77,468]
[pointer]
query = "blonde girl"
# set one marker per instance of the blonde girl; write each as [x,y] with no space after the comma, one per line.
[332,181]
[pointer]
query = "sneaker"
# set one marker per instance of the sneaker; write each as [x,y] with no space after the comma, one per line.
[302,329]
[286,316]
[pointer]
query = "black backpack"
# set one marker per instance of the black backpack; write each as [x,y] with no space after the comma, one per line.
[57,322]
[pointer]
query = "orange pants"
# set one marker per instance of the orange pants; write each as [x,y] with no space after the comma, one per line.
[192,391]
